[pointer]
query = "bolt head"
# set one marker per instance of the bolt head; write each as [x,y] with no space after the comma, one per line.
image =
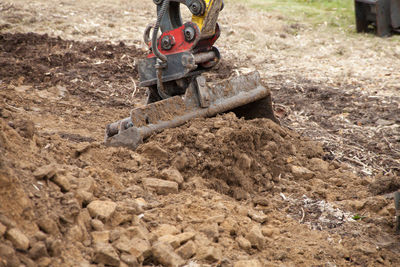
[189,33]
[166,42]
[196,8]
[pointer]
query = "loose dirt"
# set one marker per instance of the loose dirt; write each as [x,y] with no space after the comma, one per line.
[315,191]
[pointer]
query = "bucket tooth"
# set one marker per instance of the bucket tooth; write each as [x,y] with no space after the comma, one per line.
[201,99]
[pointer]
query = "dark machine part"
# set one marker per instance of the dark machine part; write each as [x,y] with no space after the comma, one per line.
[381,15]
[201,99]
[182,50]
[172,71]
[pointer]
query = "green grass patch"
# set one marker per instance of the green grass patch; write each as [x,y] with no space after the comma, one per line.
[357,217]
[335,13]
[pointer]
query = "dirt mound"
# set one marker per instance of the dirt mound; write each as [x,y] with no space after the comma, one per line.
[78,202]
[235,156]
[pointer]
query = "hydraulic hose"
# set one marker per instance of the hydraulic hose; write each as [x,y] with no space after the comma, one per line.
[161,59]
[154,47]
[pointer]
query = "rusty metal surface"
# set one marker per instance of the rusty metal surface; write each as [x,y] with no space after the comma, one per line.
[204,57]
[211,19]
[205,100]
[395,13]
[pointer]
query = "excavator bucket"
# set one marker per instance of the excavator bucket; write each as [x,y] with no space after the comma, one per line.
[242,94]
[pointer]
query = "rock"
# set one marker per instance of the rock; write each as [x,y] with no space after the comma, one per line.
[179,218]
[229,226]
[257,216]
[141,203]
[184,237]
[40,236]
[166,229]
[137,231]
[383,122]
[216,219]
[153,151]
[84,197]
[97,225]
[256,238]
[140,248]
[102,209]
[54,247]
[82,148]
[242,210]
[87,242]
[63,182]
[331,264]
[161,187]
[240,194]
[177,240]
[75,233]
[3,229]
[100,236]
[45,172]
[7,222]
[366,249]
[244,162]
[211,231]
[38,250]
[180,162]
[317,164]
[187,250]
[269,231]
[209,253]
[123,244]
[247,263]
[137,206]
[44,262]
[105,254]
[172,174]
[18,239]
[26,128]
[194,182]
[48,226]
[129,260]
[356,204]
[115,234]
[301,172]
[119,218]
[260,200]
[28,262]
[243,243]
[87,184]
[170,239]
[71,206]
[7,254]
[165,255]
[84,220]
